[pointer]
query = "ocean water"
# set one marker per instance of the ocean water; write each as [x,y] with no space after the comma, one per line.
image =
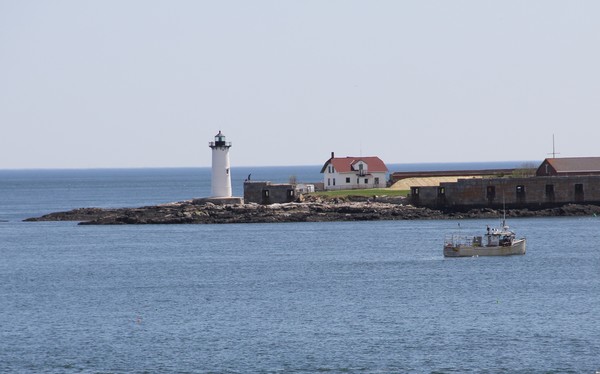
[337,297]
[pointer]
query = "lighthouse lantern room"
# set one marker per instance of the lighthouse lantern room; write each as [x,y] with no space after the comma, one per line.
[221,177]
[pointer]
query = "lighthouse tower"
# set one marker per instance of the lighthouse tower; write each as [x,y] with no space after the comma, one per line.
[221,178]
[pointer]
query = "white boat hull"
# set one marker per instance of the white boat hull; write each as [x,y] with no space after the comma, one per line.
[517,248]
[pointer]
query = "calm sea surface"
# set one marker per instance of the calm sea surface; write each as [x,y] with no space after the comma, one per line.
[370,297]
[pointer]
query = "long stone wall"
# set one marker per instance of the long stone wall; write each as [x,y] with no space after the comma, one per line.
[518,193]
[400,175]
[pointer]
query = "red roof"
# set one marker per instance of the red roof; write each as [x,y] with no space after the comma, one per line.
[345,164]
[575,164]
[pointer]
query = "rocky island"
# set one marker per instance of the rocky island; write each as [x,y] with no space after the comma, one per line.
[312,209]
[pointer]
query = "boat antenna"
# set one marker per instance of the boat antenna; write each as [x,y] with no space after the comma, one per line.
[503,210]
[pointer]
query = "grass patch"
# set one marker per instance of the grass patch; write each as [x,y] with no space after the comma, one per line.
[362,192]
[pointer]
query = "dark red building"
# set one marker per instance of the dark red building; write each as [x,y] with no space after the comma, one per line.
[568,166]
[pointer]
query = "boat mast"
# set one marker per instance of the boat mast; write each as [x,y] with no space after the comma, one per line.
[503,210]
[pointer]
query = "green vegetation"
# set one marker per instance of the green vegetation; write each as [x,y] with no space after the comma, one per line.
[527,169]
[365,192]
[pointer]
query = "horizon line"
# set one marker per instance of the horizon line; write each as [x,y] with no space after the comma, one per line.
[241,166]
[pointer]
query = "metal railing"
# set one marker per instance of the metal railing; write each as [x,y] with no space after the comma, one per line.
[455,240]
[219,144]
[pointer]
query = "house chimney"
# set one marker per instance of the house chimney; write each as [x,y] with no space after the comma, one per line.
[332,155]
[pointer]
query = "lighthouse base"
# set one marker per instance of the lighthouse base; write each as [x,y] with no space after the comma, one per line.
[218,200]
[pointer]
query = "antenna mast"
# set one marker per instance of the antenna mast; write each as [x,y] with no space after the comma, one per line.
[553,149]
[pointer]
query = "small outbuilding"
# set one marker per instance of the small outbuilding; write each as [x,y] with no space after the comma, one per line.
[268,193]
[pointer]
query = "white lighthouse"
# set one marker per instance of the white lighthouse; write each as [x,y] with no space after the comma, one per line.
[221,177]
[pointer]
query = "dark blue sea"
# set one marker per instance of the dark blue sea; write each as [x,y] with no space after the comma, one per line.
[341,297]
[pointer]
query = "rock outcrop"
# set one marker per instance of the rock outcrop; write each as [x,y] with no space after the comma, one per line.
[313,209]
[189,212]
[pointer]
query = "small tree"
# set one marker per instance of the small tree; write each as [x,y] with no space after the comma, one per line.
[293,179]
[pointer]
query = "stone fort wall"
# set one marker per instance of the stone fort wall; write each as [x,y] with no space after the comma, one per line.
[518,193]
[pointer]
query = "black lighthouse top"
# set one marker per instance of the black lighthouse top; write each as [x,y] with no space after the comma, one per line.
[219,141]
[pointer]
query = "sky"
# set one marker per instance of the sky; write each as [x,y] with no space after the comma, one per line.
[125,83]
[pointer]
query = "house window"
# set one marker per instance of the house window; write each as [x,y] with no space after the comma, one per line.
[266,194]
[348,180]
[377,180]
[366,180]
[415,191]
[329,169]
[329,181]
[334,181]
[290,193]
[441,191]
[357,180]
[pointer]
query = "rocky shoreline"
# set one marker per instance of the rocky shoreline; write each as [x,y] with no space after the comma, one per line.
[313,210]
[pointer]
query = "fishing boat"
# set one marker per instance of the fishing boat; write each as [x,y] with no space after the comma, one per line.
[496,242]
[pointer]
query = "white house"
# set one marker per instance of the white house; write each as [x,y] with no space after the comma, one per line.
[346,173]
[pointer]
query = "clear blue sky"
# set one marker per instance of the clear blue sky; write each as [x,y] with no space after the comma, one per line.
[149,83]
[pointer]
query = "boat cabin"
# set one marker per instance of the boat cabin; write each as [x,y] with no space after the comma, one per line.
[495,237]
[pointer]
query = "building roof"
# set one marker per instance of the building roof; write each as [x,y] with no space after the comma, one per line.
[575,164]
[345,164]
